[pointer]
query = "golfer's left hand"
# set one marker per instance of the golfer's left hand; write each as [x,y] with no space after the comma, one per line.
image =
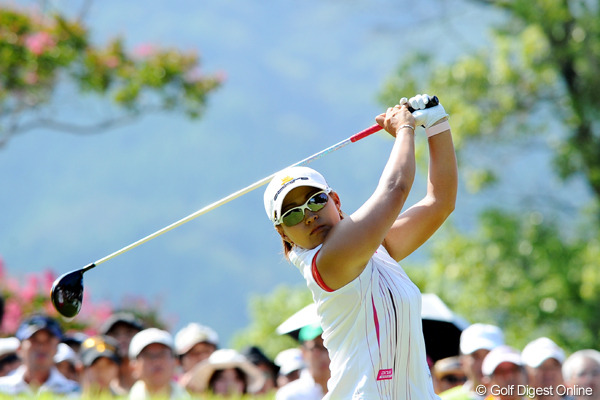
[426,117]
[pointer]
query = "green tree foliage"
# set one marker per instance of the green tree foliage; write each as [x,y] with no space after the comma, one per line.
[267,312]
[536,80]
[535,83]
[521,273]
[39,53]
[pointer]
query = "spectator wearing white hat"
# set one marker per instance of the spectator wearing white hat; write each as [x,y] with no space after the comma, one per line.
[504,374]
[543,362]
[194,343]
[581,371]
[152,355]
[476,342]
[67,362]
[312,384]
[9,360]
[226,373]
[290,363]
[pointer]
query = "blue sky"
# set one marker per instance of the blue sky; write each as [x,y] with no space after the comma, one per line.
[301,76]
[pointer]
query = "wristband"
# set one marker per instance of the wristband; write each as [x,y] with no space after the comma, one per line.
[439,128]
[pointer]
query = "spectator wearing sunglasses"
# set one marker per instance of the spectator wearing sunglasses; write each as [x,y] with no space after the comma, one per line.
[368,307]
[448,373]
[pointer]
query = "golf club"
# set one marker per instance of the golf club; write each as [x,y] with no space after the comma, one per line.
[67,290]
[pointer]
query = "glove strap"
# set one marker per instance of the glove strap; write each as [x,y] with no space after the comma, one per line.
[436,129]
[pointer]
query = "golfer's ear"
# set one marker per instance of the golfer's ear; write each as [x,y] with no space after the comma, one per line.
[279,229]
[336,199]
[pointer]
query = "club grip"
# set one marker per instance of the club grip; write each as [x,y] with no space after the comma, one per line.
[433,101]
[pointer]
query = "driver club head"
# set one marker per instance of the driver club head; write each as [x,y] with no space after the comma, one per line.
[67,293]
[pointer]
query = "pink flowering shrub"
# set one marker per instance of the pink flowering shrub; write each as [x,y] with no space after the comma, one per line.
[39,42]
[37,54]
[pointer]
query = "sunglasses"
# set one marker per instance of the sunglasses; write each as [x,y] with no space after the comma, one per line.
[295,215]
[454,379]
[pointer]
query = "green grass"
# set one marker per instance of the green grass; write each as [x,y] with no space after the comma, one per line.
[108,397]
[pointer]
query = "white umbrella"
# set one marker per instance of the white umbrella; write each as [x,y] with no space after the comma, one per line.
[292,325]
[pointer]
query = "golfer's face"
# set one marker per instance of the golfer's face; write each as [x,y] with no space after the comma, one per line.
[314,228]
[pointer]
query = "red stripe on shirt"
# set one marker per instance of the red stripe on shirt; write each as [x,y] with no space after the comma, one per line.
[317,276]
[376,321]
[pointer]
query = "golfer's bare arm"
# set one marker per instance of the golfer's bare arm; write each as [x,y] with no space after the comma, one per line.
[415,225]
[352,241]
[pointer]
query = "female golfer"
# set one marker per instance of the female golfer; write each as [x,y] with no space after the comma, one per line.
[370,311]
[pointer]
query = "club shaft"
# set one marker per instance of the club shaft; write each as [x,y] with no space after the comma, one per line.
[354,138]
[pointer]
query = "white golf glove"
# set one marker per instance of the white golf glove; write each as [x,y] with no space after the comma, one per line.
[426,117]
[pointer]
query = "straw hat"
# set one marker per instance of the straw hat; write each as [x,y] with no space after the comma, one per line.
[221,359]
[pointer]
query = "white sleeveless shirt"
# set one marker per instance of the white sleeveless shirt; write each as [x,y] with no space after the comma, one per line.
[372,330]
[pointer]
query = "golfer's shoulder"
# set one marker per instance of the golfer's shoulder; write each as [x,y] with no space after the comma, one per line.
[302,257]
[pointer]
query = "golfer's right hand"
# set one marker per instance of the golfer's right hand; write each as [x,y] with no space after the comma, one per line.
[395,117]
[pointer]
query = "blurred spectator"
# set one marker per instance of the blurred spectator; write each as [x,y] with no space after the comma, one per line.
[312,384]
[122,326]
[504,374]
[270,371]
[152,355]
[9,360]
[39,336]
[100,359]
[581,371]
[195,343]
[475,343]
[448,373]
[74,340]
[226,373]
[543,362]
[67,362]
[290,363]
